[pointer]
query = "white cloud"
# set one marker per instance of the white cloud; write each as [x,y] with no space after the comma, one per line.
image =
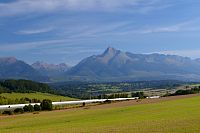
[40,6]
[195,53]
[160,29]
[94,30]
[30,45]
[53,44]
[191,25]
[34,31]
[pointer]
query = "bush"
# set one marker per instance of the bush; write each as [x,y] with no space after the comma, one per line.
[7,112]
[18,110]
[107,101]
[46,105]
[83,104]
[37,107]
[139,94]
[31,108]
[28,108]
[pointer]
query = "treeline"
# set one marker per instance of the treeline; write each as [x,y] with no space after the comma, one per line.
[138,94]
[46,104]
[186,92]
[24,100]
[112,96]
[24,86]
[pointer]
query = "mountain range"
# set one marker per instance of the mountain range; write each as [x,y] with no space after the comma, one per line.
[11,68]
[50,70]
[115,65]
[111,65]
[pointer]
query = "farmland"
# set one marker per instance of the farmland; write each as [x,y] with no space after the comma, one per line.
[40,96]
[173,114]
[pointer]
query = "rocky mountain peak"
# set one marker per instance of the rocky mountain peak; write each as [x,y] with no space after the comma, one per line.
[9,60]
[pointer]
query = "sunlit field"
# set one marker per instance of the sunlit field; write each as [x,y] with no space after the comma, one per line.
[37,95]
[182,115]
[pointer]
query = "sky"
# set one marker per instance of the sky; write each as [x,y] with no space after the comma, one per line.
[68,31]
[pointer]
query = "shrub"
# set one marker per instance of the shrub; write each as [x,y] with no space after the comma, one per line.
[107,101]
[83,104]
[37,107]
[18,110]
[46,105]
[28,108]
[31,108]
[7,112]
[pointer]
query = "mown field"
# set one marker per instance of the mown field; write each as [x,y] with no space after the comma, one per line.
[181,115]
[38,95]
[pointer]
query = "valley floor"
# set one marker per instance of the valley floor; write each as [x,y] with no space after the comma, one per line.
[170,114]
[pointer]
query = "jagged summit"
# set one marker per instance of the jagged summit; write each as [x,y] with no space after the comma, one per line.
[110,50]
[8,59]
[50,69]
[44,65]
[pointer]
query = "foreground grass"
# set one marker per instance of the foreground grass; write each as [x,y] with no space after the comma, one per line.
[170,116]
[37,95]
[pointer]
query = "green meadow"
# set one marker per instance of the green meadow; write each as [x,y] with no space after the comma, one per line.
[177,116]
[38,95]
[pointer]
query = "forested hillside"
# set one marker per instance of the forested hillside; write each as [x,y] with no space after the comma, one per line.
[24,86]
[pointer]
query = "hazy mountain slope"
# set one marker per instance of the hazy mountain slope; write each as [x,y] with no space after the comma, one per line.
[115,65]
[11,68]
[50,69]
[112,65]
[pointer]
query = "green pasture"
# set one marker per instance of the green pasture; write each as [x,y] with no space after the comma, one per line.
[37,95]
[177,116]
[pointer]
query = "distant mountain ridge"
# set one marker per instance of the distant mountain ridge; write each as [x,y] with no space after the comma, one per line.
[50,69]
[115,65]
[111,65]
[11,68]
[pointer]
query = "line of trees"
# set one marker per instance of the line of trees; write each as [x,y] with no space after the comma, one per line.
[112,96]
[186,92]
[138,94]
[45,105]
[5,101]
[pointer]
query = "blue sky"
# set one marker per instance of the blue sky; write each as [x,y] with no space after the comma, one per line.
[67,31]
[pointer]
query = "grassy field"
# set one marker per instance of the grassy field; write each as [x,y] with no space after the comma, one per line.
[37,95]
[182,115]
